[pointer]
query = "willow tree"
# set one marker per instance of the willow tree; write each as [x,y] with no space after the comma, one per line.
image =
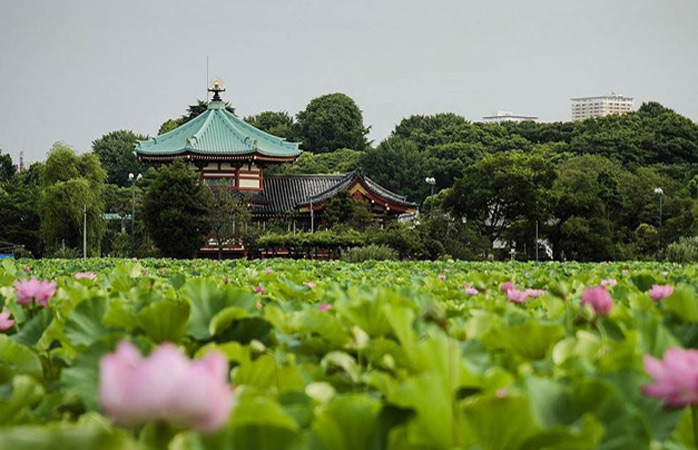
[71,185]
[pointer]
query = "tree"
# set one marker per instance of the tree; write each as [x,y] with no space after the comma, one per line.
[430,130]
[331,122]
[7,168]
[396,164]
[278,123]
[71,183]
[192,112]
[343,210]
[501,189]
[19,209]
[577,194]
[340,161]
[115,152]
[229,217]
[176,210]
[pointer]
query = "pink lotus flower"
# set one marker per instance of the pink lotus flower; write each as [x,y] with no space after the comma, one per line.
[535,293]
[259,289]
[165,386]
[268,271]
[507,286]
[516,296]
[27,269]
[660,291]
[599,299]
[625,271]
[502,393]
[442,277]
[88,275]
[610,282]
[30,290]
[310,284]
[5,321]
[324,307]
[471,291]
[675,377]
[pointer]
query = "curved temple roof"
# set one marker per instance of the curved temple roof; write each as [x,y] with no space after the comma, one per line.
[217,132]
[284,193]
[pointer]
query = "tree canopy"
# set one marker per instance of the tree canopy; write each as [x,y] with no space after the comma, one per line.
[278,123]
[176,209]
[115,151]
[7,168]
[71,183]
[331,122]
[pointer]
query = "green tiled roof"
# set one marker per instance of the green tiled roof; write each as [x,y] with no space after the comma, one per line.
[217,132]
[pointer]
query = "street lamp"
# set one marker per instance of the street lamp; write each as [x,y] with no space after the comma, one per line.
[133,179]
[660,192]
[432,182]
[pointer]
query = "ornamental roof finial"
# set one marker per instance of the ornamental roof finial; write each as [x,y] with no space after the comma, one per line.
[216,89]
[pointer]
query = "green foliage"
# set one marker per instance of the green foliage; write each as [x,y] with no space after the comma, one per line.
[684,251]
[19,208]
[402,358]
[500,190]
[331,122]
[71,184]
[7,168]
[278,123]
[369,253]
[176,210]
[115,151]
[229,217]
[399,166]
[341,210]
[339,161]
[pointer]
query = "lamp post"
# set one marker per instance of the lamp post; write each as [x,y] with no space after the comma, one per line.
[432,182]
[133,179]
[84,231]
[660,192]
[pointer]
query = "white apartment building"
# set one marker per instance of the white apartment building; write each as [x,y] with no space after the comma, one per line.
[507,116]
[586,107]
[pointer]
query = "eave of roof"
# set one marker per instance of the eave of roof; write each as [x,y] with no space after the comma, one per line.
[217,133]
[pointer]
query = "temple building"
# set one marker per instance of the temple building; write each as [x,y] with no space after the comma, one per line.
[227,152]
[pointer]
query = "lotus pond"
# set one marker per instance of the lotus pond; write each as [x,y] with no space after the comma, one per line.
[281,354]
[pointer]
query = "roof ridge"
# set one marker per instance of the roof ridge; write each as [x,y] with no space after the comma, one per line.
[304,175]
[203,128]
[236,130]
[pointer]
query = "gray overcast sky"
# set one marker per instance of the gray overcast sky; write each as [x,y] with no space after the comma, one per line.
[74,70]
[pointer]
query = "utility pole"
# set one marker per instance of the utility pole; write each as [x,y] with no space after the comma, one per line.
[132,178]
[84,231]
[536,247]
[432,182]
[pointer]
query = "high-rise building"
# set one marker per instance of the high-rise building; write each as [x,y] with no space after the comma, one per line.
[507,116]
[586,107]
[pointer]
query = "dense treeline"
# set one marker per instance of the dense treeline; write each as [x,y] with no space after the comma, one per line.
[592,189]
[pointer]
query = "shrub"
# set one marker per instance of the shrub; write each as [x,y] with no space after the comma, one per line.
[369,253]
[683,251]
[66,253]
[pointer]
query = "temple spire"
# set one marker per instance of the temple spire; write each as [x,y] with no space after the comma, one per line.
[216,89]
